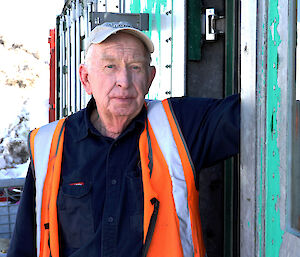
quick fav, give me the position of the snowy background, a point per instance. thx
(24, 77)
(24, 94)
(24, 84)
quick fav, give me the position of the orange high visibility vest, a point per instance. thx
(172, 224)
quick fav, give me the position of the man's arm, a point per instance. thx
(223, 132)
(23, 242)
(211, 127)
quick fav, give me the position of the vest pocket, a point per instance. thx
(75, 213)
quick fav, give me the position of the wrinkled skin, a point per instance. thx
(118, 74)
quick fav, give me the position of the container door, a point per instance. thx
(212, 68)
(270, 223)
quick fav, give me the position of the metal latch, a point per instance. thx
(214, 24)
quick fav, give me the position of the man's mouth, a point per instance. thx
(124, 99)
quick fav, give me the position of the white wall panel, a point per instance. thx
(167, 31)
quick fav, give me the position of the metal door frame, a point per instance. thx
(267, 68)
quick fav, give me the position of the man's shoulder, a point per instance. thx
(186, 100)
(73, 120)
(200, 102)
(76, 125)
(185, 106)
(76, 117)
(192, 109)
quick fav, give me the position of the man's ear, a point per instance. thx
(152, 73)
(84, 78)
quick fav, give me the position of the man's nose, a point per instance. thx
(123, 78)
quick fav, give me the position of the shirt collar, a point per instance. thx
(88, 128)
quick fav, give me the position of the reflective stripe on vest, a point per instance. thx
(44, 147)
(162, 130)
(189, 173)
(170, 196)
(170, 179)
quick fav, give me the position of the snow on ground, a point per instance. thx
(24, 76)
(24, 97)
(18, 172)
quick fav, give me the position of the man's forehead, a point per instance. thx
(120, 47)
(106, 56)
(117, 50)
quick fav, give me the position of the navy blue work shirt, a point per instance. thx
(100, 200)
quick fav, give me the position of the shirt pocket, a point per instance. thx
(135, 202)
(135, 196)
(75, 213)
(136, 223)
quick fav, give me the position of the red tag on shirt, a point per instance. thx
(77, 184)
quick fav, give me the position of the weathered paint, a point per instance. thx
(155, 9)
(135, 6)
(273, 232)
(260, 102)
(152, 7)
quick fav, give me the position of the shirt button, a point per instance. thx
(113, 181)
(110, 219)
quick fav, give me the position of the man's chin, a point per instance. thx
(126, 111)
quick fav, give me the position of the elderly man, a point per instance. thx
(119, 177)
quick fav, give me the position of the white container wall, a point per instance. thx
(167, 31)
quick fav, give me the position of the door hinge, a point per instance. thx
(214, 25)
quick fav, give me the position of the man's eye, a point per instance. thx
(110, 66)
(136, 67)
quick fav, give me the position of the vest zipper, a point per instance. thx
(151, 227)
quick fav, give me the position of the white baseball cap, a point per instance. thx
(103, 31)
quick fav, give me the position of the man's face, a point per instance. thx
(118, 75)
